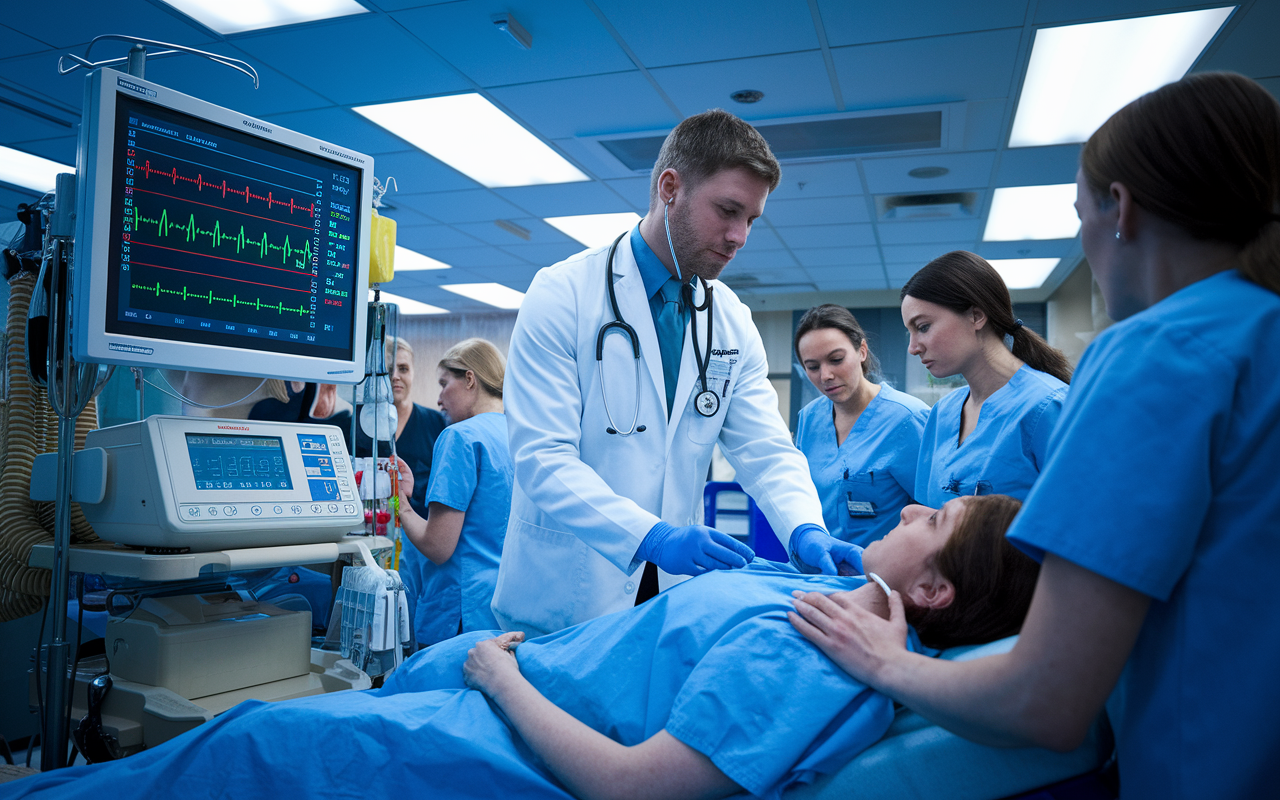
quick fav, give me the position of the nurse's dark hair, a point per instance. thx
(993, 580)
(961, 281)
(1203, 154)
(830, 315)
(707, 143)
(481, 358)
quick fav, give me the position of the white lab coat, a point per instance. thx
(584, 499)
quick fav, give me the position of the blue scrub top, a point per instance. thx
(876, 463)
(1005, 452)
(473, 473)
(1162, 477)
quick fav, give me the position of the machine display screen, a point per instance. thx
(238, 462)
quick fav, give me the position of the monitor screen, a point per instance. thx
(215, 242)
(238, 462)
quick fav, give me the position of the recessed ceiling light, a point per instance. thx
(1024, 273)
(1081, 74)
(409, 307)
(234, 16)
(28, 171)
(594, 230)
(409, 261)
(475, 137)
(747, 96)
(1032, 212)
(495, 294)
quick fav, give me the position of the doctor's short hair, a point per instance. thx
(707, 143)
(994, 581)
(830, 315)
(481, 358)
(1202, 153)
(961, 281)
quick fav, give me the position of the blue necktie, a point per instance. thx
(669, 321)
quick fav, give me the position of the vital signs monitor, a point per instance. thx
(213, 241)
(199, 484)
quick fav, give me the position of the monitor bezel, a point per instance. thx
(91, 343)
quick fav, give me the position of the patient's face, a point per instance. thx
(905, 552)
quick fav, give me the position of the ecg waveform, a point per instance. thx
(191, 233)
(224, 188)
(209, 297)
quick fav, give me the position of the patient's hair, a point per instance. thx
(993, 580)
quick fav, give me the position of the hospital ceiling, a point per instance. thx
(605, 70)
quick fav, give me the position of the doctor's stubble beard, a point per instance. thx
(693, 261)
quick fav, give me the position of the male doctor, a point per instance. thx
(607, 502)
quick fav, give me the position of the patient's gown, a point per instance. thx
(712, 660)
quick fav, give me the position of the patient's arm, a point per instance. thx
(589, 763)
(1047, 691)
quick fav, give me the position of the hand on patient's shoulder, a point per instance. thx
(854, 629)
(491, 665)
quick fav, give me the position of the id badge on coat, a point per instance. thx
(720, 371)
(857, 495)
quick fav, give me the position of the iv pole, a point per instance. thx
(71, 387)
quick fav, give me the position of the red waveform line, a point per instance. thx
(221, 277)
(202, 184)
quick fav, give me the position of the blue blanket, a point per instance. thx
(712, 660)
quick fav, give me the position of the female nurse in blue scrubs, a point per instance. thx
(452, 567)
(991, 436)
(1156, 515)
(861, 438)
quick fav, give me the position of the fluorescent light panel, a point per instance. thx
(234, 16)
(1024, 273)
(409, 261)
(594, 230)
(1079, 75)
(28, 171)
(409, 307)
(495, 294)
(475, 137)
(1032, 212)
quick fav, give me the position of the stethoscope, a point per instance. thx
(707, 402)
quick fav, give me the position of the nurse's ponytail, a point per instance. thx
(482, 359)
(961, 281)
(1204, 154)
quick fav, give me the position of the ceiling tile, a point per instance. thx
(860, 23)
(539, 233)
(793, 84)
(919, 232)
(984, 124)
(942, 69)
(1050, 248)
(851, 272)
(965, 171)
(517, 278)
(763, 237)
(920, 254)
(634, 190)
(416, 173)
(1250, 47)
(565, 199)
(467, 206)
(543, 255)
(427, 239)
(870, 282)
(590, 106)
(18, 126)
(729, 29)
(760, 260)
(62, 149)
(399, 67)
(13, 43)
(568, 40)
(821, 258)
(1057, 12)
(50, 22)
(1038, 166)
(817, 211)
(805, 236)
(344, 127)
(472, 258)
(818, 179)
(220, 85)
(38, 73)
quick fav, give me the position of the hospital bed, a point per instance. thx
(917, 759)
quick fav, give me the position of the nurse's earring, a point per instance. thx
(1117, 234)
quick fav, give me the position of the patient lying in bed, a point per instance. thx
(705, 691)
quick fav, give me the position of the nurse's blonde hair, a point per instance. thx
(482, 359)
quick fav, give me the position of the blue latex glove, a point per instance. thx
(814, 547)
(692, 550)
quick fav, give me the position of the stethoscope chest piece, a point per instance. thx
(707, 402)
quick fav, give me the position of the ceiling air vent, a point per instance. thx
(939, 205)
(807, 139)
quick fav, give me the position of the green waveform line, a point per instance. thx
(210, 298)
(190, 231)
